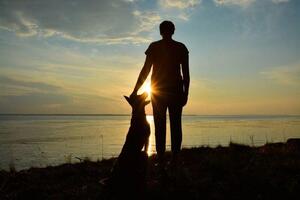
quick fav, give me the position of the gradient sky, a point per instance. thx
(82, 56)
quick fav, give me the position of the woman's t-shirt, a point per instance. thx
(166, 57)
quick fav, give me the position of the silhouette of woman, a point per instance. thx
(170, 81)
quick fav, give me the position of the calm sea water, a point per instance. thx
(41, 140)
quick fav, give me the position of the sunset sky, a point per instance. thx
(82, 56)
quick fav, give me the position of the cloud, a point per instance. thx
(180, 9)
(243, 3)
(10, 86)
(147, 20)
(32, 103)
(35, 99)
(96, 21)
(23, 96)
(34, 85)
(285, 75)
(101, 21)
(280, 1)
(179, 4)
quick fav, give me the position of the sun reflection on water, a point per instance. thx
(151, 140)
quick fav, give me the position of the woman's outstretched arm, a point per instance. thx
(143, 74)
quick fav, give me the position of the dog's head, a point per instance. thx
(138, 101)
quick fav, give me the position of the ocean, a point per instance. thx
(42, 140)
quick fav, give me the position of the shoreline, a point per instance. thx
(271, 171)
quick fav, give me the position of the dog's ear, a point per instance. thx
(146, 102)
(127, 99)
(145, 95)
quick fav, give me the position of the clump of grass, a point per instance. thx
(252, 140)
(86, 159)
(12, 167)
(68, 158)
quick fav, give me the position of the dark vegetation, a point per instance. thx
(235, 172)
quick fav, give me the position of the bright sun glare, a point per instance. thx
(148, 88)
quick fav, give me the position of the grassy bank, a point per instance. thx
(235, 172)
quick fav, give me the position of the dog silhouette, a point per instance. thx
(128, 175)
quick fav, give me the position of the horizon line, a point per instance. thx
(120, 114)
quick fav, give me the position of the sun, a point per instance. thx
(148, 88)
